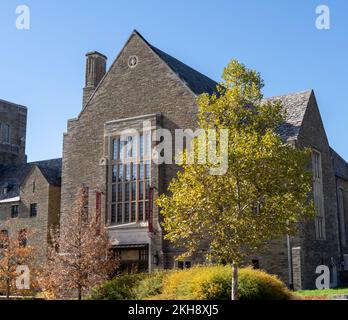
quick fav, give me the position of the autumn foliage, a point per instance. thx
(14, 252)
(79, 255)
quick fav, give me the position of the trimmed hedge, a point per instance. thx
(198, 283)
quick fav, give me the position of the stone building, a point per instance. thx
(146, 84)
(29, 192)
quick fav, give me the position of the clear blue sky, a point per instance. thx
(43, 68)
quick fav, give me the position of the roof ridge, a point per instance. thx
(14, 104)
(183, 63)
(308, 91)
(338, 155)
(41, 161)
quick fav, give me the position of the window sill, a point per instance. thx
(133, 225)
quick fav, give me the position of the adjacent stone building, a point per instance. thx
(146, 84)
(29, 192)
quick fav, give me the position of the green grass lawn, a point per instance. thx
(322, 293)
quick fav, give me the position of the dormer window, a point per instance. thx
(6, 189)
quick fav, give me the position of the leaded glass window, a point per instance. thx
(130, 176)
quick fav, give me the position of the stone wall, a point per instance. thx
(342, 184)
(16, 117)
(47, 199)
(149, 88)
(315, 252)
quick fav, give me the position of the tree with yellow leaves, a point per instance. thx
(263, 194)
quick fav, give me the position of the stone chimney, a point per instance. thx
(95, 71)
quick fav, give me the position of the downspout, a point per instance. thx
(290, 266)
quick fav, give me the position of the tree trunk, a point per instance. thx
(79, 290)
(234, 288)
(8, 288)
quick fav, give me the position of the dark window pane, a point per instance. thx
(33, 210)
(119, 213)
(147, 191)
(14, 211)
(134, 189)
(113, 213)
(141, 211)
(113, 193)
(147, 170)
(147, 210)
(126, 212)
(141, 191)
(133, 217)
(114, 174)
(126, 192)
(119, 192)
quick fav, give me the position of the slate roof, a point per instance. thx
(12, 176)
(340, 165)
(296, 105)
(196, 81)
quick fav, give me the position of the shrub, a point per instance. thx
(119, 288)
(198, 283)
(214, 283)
(150, 285)
(259, 285)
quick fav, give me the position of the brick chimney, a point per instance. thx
(95, 71)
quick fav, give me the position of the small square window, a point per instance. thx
(33, 210)
(14, 211)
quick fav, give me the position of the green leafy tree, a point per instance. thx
(264, 193)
